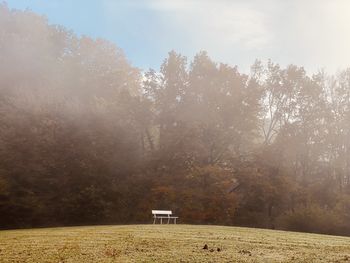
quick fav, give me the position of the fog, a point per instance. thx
(88, 138)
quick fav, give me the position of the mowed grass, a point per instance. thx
(169, 243)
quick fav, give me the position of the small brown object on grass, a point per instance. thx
(246, 252)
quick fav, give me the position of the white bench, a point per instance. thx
(163, 214)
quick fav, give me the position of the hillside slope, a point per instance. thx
(169, 243)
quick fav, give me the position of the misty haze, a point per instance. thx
(174, 131)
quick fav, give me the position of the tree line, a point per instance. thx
(86, 138)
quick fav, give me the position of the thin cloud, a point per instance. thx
(309, 33)
(216, 24)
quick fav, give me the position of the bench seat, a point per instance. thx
(163, 214)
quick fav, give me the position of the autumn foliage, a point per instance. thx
(86, 138)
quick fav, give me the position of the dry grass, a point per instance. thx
(169, 243)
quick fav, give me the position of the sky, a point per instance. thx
(310, 33)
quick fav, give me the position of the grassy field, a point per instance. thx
(169, 243)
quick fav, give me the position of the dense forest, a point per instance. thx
(86, 138)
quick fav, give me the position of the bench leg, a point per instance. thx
(175, 221)
(161, 221)
(154, 221)
(168, 221)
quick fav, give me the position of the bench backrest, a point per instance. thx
(162, 212)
